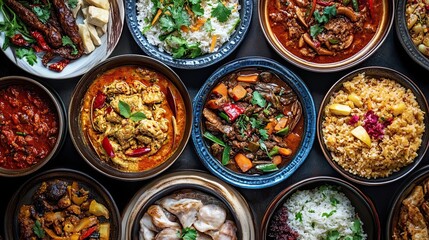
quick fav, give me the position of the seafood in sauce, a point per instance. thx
(187, 213)
(133, 117)
(324, 31)
(253, 122)
(63, 210)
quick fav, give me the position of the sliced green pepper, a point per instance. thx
(225, 155)
(214, 139)
(274, 151)
(269, 167)
(224, 116)
(355, 5)
(283, 132)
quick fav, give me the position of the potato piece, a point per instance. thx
(104, 231)
(97, 16)
(93, 33)
(104, 4)
(98, 209)
(86, 38)
(340, 109)
(75, 10)
(355, 99)
(101, 30)
(361, 134)
(85, 12)
(398, 108)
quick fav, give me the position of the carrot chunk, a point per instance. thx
(243, 162)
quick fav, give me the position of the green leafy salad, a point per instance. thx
(188, 28)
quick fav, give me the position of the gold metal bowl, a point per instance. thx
(378, 38)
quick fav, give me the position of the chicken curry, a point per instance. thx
(324, 31)
(133, 117)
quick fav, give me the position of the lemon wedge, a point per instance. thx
(361, 134)
(340, 109)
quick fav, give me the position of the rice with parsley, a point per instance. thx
(187, 29)
(323, 213)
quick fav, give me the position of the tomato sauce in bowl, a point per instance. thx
(29, 126)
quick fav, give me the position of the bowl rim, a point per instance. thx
(74, 121)
(57, 103)
(402, 192)
(55, 173)
(347, 63)
(244, 180)
(283, 195)
(403, 35)
(205, 60)
(408, 84)
(189, 179)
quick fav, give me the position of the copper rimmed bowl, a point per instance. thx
(270, 29)
(362, 204)
(86, 148)
(359, 172)
(53, 100)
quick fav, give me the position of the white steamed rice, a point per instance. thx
(316, 212)
(222, 30)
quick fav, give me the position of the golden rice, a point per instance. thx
(402, 138)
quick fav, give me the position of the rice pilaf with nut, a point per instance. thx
(373, 127)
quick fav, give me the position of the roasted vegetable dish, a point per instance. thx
(187, 214)
(28, 126)
(413, 216)
(133, 117)
(324, 31)
(253, 122)
(416, 14)
(49, 29)
(63, 210)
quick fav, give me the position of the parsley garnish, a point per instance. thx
(298, 216)
(333, 235)
(68, 42)
(125, 111)
(321, 19)
(329, 214)
(221, 12)
(258, 99)
(188, 234)
(42, 12)
(28, 54)
(334, 201)
(264, 134)
(72, 3)
(38, 230)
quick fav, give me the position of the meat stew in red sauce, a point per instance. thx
(253, 122)
(28, 126)
(324, 31)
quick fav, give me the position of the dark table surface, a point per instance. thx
(390, 54)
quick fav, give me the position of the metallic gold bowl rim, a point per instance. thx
(378, 39)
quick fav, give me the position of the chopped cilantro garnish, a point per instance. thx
(188, 234)
(328, 214)
(334, 201)
(221, 12)
(298, 216)
(28, 54)
(333, 235)
(42, 12)
(258, 99)
(68, 42)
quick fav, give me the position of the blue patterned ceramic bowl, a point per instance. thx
(190, 63)
(309, 126)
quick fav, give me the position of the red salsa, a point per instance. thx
(28, 127)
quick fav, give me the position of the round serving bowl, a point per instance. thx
(24, 196)
(196, 180)
(57, 106)
(404, 37)
(378, 73)
(418, 178)
(323, 64)
(85, 147)
(362, 204)
(190, 63)
(307, 138)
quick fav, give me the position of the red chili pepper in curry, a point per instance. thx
(28, 127)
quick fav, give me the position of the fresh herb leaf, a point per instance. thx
(333, 41)
(330, 11)
(197, 9)
(279, 116)
(266, 110)
(334, 201)
(321, 19)
(68, 42)
(221, 12)
(333, 235)
(328, 214)
(28, 54)
(137, 116)
(208, 26)
(180, 16)
(42, 12)
(213, 138)
(258, 99)
(255, 123)
(72, 3)
(188, 234)
(264, 134)
(21, 134)
(38, 230)
(298, 216)
(242, 123)
(124, 109)
(357, 226)
(167, 23)
(311, 211)
(316, 30)
(264, 147)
